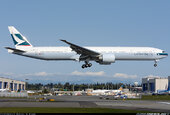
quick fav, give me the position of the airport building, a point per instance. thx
(12, 85)
(169, 82)
(153, 84)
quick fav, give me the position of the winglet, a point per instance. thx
(62, 40)
(66, 42)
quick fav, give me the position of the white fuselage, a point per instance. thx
(121, 53)
(102, 55)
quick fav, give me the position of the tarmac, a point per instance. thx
(89, 102)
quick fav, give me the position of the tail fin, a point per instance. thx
(18, 38)
(121, 88)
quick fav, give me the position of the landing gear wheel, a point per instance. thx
(89, 65)
(86, 65)
(83, 66)
(155, 65)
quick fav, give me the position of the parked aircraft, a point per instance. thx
(162, 92)
(4, 90)
(101, 55)
(104, 92)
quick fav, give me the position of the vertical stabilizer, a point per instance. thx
(18, 39)
(121, 88)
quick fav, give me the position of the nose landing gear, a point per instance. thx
(156, 61)
(155, 65)
(86, 65)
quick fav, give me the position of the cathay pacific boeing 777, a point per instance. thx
(101, 55)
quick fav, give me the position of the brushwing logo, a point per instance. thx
(19, 41)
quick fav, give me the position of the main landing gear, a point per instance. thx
(86, 65)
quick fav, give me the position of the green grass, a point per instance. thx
(65, 110)
(13, 97)
(156, 97)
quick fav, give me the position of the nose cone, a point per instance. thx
(165, 54)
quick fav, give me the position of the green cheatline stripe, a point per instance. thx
(13, 39)
(162, 53)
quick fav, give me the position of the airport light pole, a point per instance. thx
(73, 87)
(26, 83)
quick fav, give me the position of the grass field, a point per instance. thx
(65, 110)
(154, 97)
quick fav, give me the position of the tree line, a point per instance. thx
(76, 87)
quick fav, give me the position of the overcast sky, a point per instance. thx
(86, 23)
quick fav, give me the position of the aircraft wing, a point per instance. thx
(15, 50)
(81, 50)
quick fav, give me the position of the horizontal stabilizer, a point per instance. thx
(15, 50)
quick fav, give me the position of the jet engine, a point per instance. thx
(106, 59)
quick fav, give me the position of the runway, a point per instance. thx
(90, 102)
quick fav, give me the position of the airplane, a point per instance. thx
(162, 92)
(29, 91)
(104, 91)
(101, 55)
(118, 90)
(4, 90)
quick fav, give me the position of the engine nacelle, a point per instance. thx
(107, 59)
